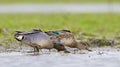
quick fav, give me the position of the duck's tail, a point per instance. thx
(83, 45)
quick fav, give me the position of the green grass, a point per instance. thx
(101, 24)
(55, 1)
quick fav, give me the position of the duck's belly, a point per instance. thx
(44, 44)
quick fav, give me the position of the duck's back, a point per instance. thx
(68, 40)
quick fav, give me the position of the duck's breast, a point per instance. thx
(40, 39)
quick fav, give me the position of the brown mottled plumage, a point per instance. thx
(67, 38)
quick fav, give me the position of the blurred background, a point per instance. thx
(89, 17)
(95, 22)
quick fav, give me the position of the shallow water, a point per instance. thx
(98, 58)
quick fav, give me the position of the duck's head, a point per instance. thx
(19, 35)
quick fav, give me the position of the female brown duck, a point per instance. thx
(67, 38)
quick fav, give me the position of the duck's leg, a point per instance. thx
(20, 45)
(36, 50)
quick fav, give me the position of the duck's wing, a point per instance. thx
(52, 33)
(57, 32)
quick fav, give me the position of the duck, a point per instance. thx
(67, 38)
(38, 40)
